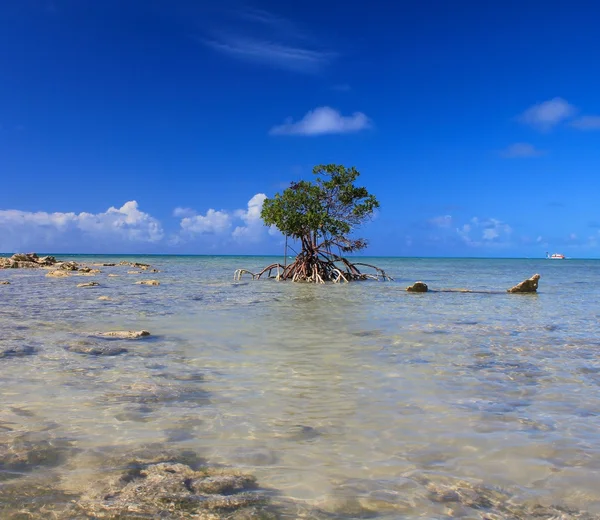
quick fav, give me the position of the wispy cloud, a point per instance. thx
(545, 116)
(341, 87)
(183, 212)
(269, 39)
(444, 221)
(485, 232)
(521, 150)
(586, 123)
(323, 120)
(271, 53)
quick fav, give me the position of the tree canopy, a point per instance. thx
(322, 213)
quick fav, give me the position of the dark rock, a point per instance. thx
(17, 351)
(26, 454)
(526, 286)
(418, 287)
(300, 432)
(69, 266)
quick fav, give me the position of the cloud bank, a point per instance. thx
(20, 230)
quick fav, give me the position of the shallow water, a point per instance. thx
(346, 398)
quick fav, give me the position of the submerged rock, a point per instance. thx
(122, 334)
(134, 272)
(17, 351)
(88, 284)
(526, 286)
(175, 491)
(57, 274)
(113, 275)
(105, 298)
(419, 287)
(94, 349)
(88, 272)
(26, 454)
(148, 282)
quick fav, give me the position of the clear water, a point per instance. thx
(325, 393)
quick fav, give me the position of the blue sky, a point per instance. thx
(155, 126)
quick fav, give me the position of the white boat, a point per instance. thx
(555, 256)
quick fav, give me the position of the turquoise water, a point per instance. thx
(339, 398)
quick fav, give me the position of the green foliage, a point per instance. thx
(322, 213)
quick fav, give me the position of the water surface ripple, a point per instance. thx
(353, 400)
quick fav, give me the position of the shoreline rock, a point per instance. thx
(88, 284)
(122, 334)
(526, 286)
(418, 287)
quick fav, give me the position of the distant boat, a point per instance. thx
(555, 256)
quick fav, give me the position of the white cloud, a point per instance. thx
(183, 212)
(521, 150)
(24, 229)
(323, 120)
(586, 123)
(214, 222)
(545, 116)
(248, 224)
(251, 217)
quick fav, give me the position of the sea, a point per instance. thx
(355, 400)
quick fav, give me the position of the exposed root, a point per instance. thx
(316, 265)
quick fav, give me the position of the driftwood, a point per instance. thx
(526, 287)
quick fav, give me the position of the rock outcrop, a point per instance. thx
(148, 282)
(4, 282)
(526, 286)
(105, 298)
(418, 287)
(176, 491)
(122, 334)
(69, 266)
(26, 260)
(57, 274)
